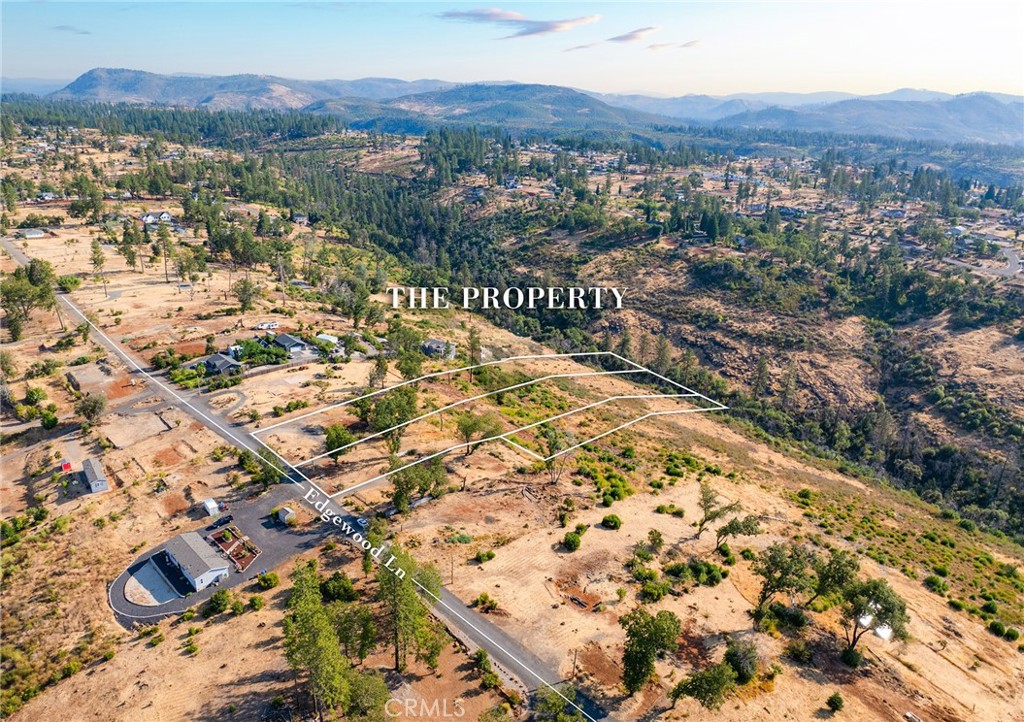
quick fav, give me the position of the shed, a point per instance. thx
(285, 514)
(212, 507)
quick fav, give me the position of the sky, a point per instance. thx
(665, 48)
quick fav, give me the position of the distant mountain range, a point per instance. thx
(410, 106)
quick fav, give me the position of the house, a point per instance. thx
(286, 515)
(156, 217)
(30, 233)
(897, 213)
(218, 364)
(437, 348)
(212, 507)
(235, 352)
(95, 476)
(300, 219)
(328, 339)
(197, 560)
(290, 343)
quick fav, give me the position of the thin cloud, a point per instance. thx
(633, 35)
(70, 29)
(666, 46)
(525, 27)
(580, 47)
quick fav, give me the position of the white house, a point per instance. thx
(438, 349)
(197, 560)
(94, 475)
(156, 217)
(30, 233)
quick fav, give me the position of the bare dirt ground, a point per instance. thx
(238, 672)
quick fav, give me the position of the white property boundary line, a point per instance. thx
(637, 368)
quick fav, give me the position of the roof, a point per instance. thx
(211, 506)
(194, 555)
(221, 362)
(435, 343)
(328, 338)
(286, 340)
(93, 470)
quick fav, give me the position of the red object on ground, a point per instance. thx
(65, 465)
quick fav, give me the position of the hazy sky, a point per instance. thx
(669, 48)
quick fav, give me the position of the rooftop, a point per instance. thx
(194, 555)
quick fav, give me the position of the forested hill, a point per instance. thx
(410, 106)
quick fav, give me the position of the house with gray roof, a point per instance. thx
(197, 560)
(95, 476)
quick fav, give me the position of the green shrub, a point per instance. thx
(956, 604)
(255, 602)
(571, 541)
(936, 584)
(742, 657)
(967, 525)
(997, 628)
(835, 702)
(1012, 634)
(990, 607)
(611, 521)
(484, 556)
(219, 602)
(653, 591)
(269, 580)
(851, 657)
(799, 651)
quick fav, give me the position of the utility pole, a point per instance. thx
(452, 559)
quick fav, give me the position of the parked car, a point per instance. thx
(362, 522)
(221, 522)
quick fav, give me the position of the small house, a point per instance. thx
(211, 507)
(437, 348)
(197, 560)
(156, 217)
(30, 233)
(290, 343)
(218, 364)
(95, 476)
(328, 339)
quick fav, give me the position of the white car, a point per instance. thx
(362, 522)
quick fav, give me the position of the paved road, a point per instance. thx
(506, 651)
(1013, 264)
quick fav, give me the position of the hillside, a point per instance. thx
(974, 118)
(411, 106)
(230, 92)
